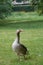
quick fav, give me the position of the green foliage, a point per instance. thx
(40, 7)
(5, 8)
(34, 2)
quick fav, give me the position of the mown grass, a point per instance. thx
(32, 38)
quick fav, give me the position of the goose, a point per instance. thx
(17, 47)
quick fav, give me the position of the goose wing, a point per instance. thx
(21, 49)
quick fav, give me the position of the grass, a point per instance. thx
(24, 16)
(32, 38)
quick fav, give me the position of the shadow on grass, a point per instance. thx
(23, 25)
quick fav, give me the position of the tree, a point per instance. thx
(34, 2)
(40, 7)
(5, 8)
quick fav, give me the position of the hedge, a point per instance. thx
(23, 8)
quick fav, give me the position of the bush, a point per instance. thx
(5, 9)
(23, 8)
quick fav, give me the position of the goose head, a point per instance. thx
(18, 31)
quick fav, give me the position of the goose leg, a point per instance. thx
(25, 58)
(19, 57)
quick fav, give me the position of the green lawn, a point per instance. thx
(24, 16)
(32, 38)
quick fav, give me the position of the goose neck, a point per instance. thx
(18, 37)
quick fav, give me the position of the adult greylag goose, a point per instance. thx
(19, 48)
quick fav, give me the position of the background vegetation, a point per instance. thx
(6, 7)
(32, 37)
